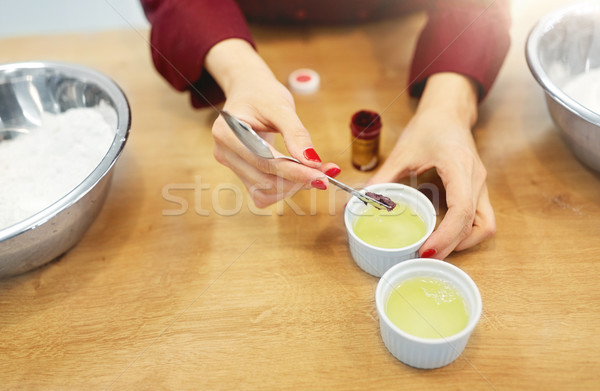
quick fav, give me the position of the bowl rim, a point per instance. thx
(123, 111)
(425, 264)
(536, 68)
(430, 220)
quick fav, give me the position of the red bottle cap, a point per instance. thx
(365, 125)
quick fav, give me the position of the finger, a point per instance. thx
(295, 136)
(269, 137)
(227, 144)
(229, 151)
(458, 222)
(484, 224)
(263, 196)
(294, 172)
(249, 172)
(264, 189)
(330, 169)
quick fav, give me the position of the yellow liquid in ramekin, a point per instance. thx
(427, 307)
(398, 228)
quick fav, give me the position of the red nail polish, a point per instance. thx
(333, 172)
(428, 253)
(311, 154)
(318, 184)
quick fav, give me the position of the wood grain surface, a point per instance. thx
(182, 284)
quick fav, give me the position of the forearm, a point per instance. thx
(463, 36)
(232, 62)
(453, 94)
(183, 31)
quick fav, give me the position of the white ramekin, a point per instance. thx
(376, 260)
(423, 352)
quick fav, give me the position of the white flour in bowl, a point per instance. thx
(585, 89)
(39, 168)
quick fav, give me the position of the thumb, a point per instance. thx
(297, 139)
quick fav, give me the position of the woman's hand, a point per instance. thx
(255, 96)
(439, 136)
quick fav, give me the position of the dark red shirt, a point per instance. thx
(470, 37)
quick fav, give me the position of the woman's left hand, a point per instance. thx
(439, 136)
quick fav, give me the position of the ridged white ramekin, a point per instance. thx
(423, 352)
(376, 260)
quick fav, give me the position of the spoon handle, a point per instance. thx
(364, 198)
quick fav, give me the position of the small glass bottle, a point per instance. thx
(366, 128)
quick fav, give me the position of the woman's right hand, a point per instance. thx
(255, 96)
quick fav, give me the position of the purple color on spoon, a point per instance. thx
(389, 204)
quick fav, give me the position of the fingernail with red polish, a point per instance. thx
(428, 253)
(311, 154)
(318, 184)
(333, 172)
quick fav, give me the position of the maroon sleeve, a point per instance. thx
(470, 37)
(183, 31)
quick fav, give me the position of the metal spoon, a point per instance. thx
(256, 144)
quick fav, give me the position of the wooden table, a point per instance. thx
(182, 284)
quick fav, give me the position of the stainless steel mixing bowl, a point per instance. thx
(562, 45)
(26, 90)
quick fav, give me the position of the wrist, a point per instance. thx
(233, 62)
(453, 94)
